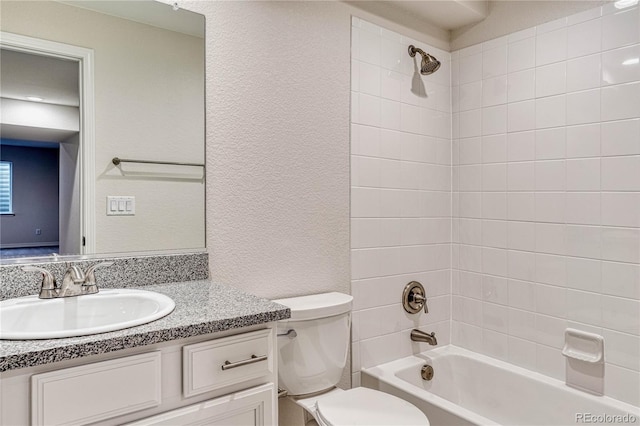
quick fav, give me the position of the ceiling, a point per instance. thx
(449, 15)
(444, 14)
(55, 80)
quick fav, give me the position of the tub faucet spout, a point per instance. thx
(421, 336)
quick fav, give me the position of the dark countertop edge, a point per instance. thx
(80, 350)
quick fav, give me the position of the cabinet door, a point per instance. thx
(251, 407)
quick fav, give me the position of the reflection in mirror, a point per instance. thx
(83, 82)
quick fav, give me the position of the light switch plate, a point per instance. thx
(121, 205)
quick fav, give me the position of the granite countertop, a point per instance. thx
(202, 307)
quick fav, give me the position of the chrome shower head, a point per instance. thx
(429, 63)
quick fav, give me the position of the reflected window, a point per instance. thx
(6, 206)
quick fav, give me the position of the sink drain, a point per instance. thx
(426, 372)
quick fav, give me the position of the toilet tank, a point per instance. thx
(313, 360)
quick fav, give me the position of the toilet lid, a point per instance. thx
(363, 406)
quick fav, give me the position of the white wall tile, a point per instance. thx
(551, 300)
(620, 137)
(521, 85)
(584, 38)
(621, 244)
(583, 141)
(623, 384)
(521, 146)
(550, 143)
(621, 314)
(621, 173)
(495, 289)
(522, 353)
(470, 96)
(584, 274)
(520, 176)
(494, 344)
(622, 279)
(521, 236)
(494, 61)
(584, 241)
(470, 123)
(583, 107)
(551, 269)
(583, 208)
(550, 207)
(550, 331)
(621, 209)
(551, 79)
(551, 111)
(583, 73)
(522, 295)
(522, 324)
(620, 29)
(583, 174)
(551, 47)
(550, 175)
(494, 120)
(520, 206)
(470, 68)
(584, 307)
(494, 177)
(494, 148)
(521, 55)
(622, 349)
(494, 91)
(620, 102)
(621, 65)
(493, 205)
(521, 116)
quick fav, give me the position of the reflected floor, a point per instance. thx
(27, 252)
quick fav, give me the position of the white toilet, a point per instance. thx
(312, 354)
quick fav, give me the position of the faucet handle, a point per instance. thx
(48, 286)
(90, 276)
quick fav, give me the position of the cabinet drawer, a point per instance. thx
(226, 361)
(251, 407)
(94, 392)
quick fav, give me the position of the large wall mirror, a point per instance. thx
(86, 82)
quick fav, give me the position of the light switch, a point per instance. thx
(121, 205)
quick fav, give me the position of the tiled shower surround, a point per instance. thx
(545, 211)
(400, 195)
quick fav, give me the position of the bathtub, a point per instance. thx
(472, 389)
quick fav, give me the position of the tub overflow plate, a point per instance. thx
(426, 372)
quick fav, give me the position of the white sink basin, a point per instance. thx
(29, 317)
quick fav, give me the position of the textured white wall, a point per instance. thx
(278, 79)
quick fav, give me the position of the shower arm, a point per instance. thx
(413, 50)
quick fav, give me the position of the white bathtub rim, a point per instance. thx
(386, 373)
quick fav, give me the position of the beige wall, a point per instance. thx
(136, 117)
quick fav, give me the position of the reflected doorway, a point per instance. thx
(40, 152)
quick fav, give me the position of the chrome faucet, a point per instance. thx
(421, 336)
(74, 283)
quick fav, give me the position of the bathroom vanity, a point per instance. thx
(211, 361)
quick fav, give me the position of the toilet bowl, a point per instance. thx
(312, 353)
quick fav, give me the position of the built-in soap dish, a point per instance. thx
(583, 346)
(584, 366)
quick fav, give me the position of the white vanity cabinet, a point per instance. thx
(216, 379)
